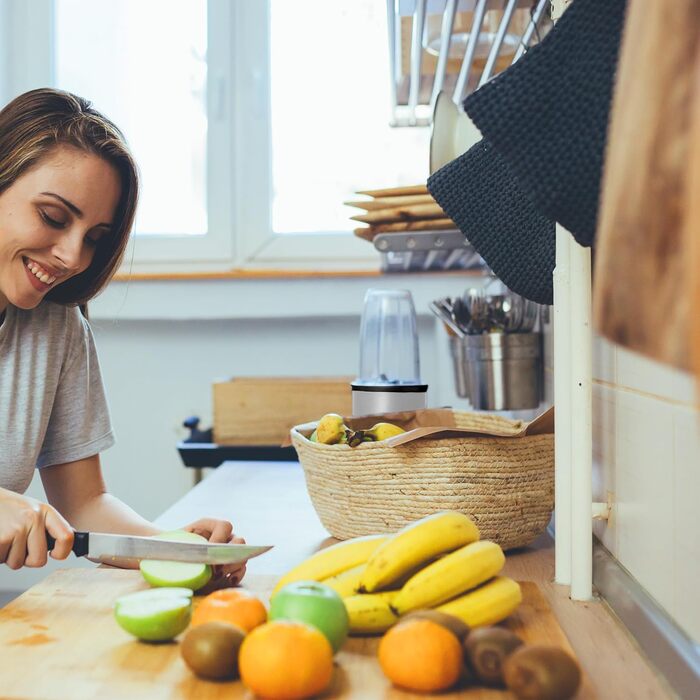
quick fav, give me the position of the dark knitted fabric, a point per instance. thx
(481, 195)
(547, 115)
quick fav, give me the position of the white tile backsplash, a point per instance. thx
(686, 540)
(639, 373)
(604, 360)
(604, 421)
(644, 483)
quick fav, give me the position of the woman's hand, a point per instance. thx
(24, 523)
(219, 531)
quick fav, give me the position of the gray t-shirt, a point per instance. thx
(52, 402)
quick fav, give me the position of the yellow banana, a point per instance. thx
(346, 582)
(330, 429)
(370, 613)
(383, 431)
(486, 605)
(333, 560)
(449, 576)
(415, 544)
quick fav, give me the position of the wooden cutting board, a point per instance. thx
(59, 640)
(642, 292)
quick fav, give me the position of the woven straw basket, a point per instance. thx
(505, 484)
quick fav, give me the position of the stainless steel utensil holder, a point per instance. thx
(499, 371)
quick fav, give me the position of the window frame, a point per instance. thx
(239, 158)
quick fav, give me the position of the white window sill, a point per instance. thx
(259, 296)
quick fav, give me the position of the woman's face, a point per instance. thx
(50, 220)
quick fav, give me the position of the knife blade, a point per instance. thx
(100, 545)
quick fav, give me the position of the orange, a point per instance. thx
(243, 610)
(420, 655)
(226, 594)
(286, 660)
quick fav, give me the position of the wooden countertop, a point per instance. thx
(59, 640)
(268, 504)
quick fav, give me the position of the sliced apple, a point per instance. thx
(178, 574)
(154, 618)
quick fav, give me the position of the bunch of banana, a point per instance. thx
(333, 560)
(371, 613)
(414, 545)
(448, 577)
(435, 562)
(488, 604)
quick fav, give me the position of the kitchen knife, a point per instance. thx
(99, 545)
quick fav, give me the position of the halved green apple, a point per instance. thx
(156, 615)
(173, 573)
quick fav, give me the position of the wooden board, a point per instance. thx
(261, 410)
(387, 202)
(409, 212)
(396, 191)
(642, 295)
(59, 640)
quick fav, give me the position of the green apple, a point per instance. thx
(155, 615)
(316, 604)
(173, 573)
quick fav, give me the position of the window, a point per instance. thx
(252, 120)
(152, 84)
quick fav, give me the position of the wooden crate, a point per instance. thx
(261, 410)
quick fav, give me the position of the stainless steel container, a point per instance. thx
(458, 350)
(504, 370)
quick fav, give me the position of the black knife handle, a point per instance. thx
(81, 541)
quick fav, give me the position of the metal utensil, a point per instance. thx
(98, 545)
(445, 315)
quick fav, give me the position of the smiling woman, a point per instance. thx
(68, 193)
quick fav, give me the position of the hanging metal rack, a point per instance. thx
(418, 74)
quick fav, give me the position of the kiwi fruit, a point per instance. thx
(211, 650)
(453, 624)
(538, 672)
(485, 650)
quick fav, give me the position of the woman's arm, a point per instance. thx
(78, 491)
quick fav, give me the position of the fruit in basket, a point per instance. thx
(370, 613)
(211, 650)
(313, 437)
(313, 603)
(330, 429)
(154, 615)
(333, 560)
(377, 433)
(455, 573)
(414, 545)
(450, 622)
(486, 605)
(384, 431)
(178, 574)
(485, 651)
(284, 660)
(238, 608)
(539, 672)
(421, 655)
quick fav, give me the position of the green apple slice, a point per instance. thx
(173, 573)
(155, 594)
(154, 620)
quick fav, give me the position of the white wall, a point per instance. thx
(158, 372)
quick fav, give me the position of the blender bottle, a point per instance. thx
(389, 378)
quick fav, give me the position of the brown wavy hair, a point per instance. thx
(34, 124)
